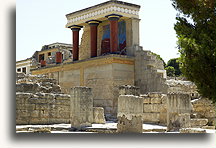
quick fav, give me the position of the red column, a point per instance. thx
(43, 63)
(75, 30)
(113, 18)
(93, 36)
(58, 57)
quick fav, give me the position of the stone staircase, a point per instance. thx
(150, 74)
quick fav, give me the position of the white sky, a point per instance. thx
(41, 22)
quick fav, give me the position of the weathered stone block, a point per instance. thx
(98, 115)
(178, 121)
(156, 100)
(178, 111)
(191, 130)
(198, 122)
(129, 115)
(152, 108)
(146, 100)
(128, 90)
(133, 125)
(151, 117)
(81, 107)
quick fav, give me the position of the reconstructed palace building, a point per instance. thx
(109, 55)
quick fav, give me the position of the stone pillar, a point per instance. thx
(129, 116)
(113, 18)
(43, 63)
(58, 57)
(81, 107)
(178, 111)
(75, 29)
(93, 36)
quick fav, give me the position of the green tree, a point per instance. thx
(175, 63)
(170, 71)
(195, 30)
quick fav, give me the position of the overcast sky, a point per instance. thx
(41, 22)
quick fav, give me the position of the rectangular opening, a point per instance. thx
(24, 70)
(41, 57)
(19, 70)
(49, 53)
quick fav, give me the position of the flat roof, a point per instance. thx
(101, 4)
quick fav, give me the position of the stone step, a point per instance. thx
(198, 122)
(192, 130)
(208, 127)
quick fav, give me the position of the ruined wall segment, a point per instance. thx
(40, 101)
(154, 108)
(203, 108)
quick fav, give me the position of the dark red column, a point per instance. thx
(75, 30)
(43, 63)
(113, 18)
(58, 57)
(93, 36)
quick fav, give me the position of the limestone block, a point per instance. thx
(156, 100)
(155, 95)
(209, 127)
(98, 115)
(129, 115)
(163, 119)
(146, 100)
(103, 102)
(81, 107)
(177, 121)
(130, 104)
(179, 103)
(152, 108)
(178, 111)
(191, 130)
(133, 125)
(214, 122)
(198, 122)
(151, 117)
(128, 90)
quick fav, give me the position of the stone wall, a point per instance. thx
(180, 86)
(204, 108)
(39, 101)
(154, 108)
(42, 108)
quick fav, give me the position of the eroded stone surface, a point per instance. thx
(81, 107)
(98, 115)
(179, 109)
(133, 125)
(129, 116)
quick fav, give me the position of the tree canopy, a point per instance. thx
(195, 29)
(176, 65)
(170, 71)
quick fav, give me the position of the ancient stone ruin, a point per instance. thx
(109, 84)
